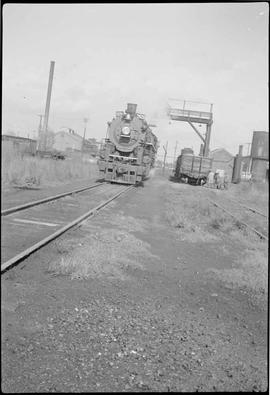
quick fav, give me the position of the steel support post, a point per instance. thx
(198, 133)
(207, 140)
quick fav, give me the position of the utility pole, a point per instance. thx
(250, 160)
(40, 130)
(47, 108)
(40, 122)
(165, 154)
(175, 148)
(248, 149)
(85, 120)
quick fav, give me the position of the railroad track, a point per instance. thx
(48, 199)
(238, 211)
(28, 227)
(251, 209)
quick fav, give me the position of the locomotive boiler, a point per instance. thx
(130, 148)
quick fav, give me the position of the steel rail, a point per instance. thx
(252, 209)
(248, 226)
(16, 259)
(243, 205)
(45, 200)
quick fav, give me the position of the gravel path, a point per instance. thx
(123, 303)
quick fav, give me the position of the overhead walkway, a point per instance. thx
(179, 110)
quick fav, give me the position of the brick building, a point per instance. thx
(222, 159)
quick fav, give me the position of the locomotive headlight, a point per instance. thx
(125, 131)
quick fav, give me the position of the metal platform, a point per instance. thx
(190, 115)
(186, 111)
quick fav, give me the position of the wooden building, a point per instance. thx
(22, 145)
(67, 140)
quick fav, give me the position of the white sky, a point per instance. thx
(109, 54)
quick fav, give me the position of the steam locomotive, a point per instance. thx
(130, 148)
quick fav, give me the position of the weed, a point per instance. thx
(105, 253)
(250, 272)
(215, 223)
(18, 169)
(195, 218)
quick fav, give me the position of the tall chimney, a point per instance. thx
(236, 176)
(48, 101)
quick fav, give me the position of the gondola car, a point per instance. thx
(191, 168)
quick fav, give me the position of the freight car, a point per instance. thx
(192, 169)
(129, 150)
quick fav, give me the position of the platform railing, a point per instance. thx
(189, 113)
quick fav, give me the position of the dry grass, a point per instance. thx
(188, 210)
(18, 170)
(250, 272)
(128, 223)
(108, 252)
(255, 194)
(194, 218)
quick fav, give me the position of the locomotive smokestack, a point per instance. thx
(131, 109)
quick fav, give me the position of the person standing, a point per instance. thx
(222, 180)
(217, 180)
(210, 179)
(226, 181)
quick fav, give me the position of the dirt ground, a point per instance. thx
(139, 298)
